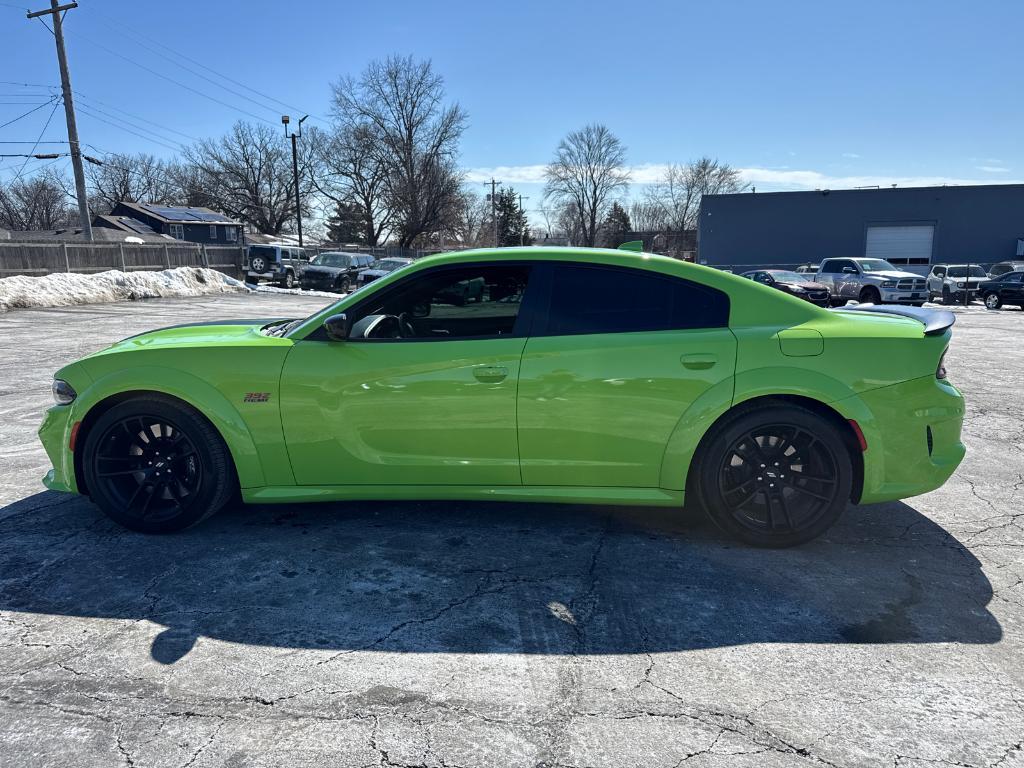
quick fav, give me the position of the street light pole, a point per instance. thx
(295, 171)
(56, 11)
(522, 232)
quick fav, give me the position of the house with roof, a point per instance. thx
(195, 225)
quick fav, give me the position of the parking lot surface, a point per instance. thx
(468, 634)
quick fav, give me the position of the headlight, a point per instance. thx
(959, 285)
(63, 393)
(797, 288)
(888, 283)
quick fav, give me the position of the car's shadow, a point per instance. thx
(494, 578)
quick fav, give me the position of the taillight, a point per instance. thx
(940, 372)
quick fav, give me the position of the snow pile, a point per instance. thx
(65, 288)
(293, 291)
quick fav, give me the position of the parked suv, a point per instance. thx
(281, 264)
(953, 281)
(382, 267)
(335, 271)
(1003, 267)
(871, 281)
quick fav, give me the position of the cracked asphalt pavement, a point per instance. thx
(470, 634)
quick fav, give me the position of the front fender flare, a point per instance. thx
(192, 390)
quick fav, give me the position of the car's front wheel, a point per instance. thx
(156, 465)
(992, 301)
(776, 476)
(344, 285)
(870, 296)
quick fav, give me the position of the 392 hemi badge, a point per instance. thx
(256, 397)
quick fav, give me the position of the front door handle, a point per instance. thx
(699, 361)
(490, 374)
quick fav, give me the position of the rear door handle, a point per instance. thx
(699, 361)
(490, 373)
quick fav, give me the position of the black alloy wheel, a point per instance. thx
(775, 477)
(156, 466)
(870, 295)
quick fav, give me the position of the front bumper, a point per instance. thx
(901, 459)
(55, 435)
(894, 296)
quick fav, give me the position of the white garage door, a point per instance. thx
(901, 244)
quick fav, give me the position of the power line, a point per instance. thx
(134, 116)
(28, 113)
(139, 36)
(47, 125)
(148, 131)
(180, 84)
(86, 111)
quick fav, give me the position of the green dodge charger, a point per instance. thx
(556, 375)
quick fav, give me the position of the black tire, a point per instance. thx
(947, 297)
(155, 465)
(992, 301)
(289, 280)
(870, 295)
(774, 476)
(917, 303)
(344, 285)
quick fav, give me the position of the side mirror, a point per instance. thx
(337, 327)
(849, 271)
(420, 309)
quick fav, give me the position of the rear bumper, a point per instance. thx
(901, 461)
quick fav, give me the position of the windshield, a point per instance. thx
(877, 265)
(962, 272)
(785, 276)
(331, 260)
(388, 265)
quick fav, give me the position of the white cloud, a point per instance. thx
(851, 155)
(766, 179)
(992, 169)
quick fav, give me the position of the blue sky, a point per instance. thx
(798, 94)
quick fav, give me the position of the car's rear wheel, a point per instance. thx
(870, 296)
(992, 301)
(157, 466)
(775, 477)
(289, 279)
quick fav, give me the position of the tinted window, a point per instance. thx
(588, 299)
(469, 302)
(835, 266)
(1013, 277)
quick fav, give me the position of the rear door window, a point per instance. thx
(588, 299)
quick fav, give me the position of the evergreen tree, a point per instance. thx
(513, 227)
(615, 226)
(346, 225)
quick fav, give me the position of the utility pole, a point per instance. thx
(494, 201)
(56, 12)
(521, 231)
(295, 171)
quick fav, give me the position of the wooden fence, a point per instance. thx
(43, 258)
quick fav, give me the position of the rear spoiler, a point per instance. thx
(935, 321)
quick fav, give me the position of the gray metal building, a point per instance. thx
(909, 226)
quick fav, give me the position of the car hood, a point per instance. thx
(213, 333)
(317, 269)
(375, 272)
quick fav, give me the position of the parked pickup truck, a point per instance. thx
(871, 281)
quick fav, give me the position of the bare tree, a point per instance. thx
(398, 103)
(39, 202)
(587, 172)
(471, 223)
(128, 178)
(347, 170)
(248, 175)
(647, 216)
(679, 193)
